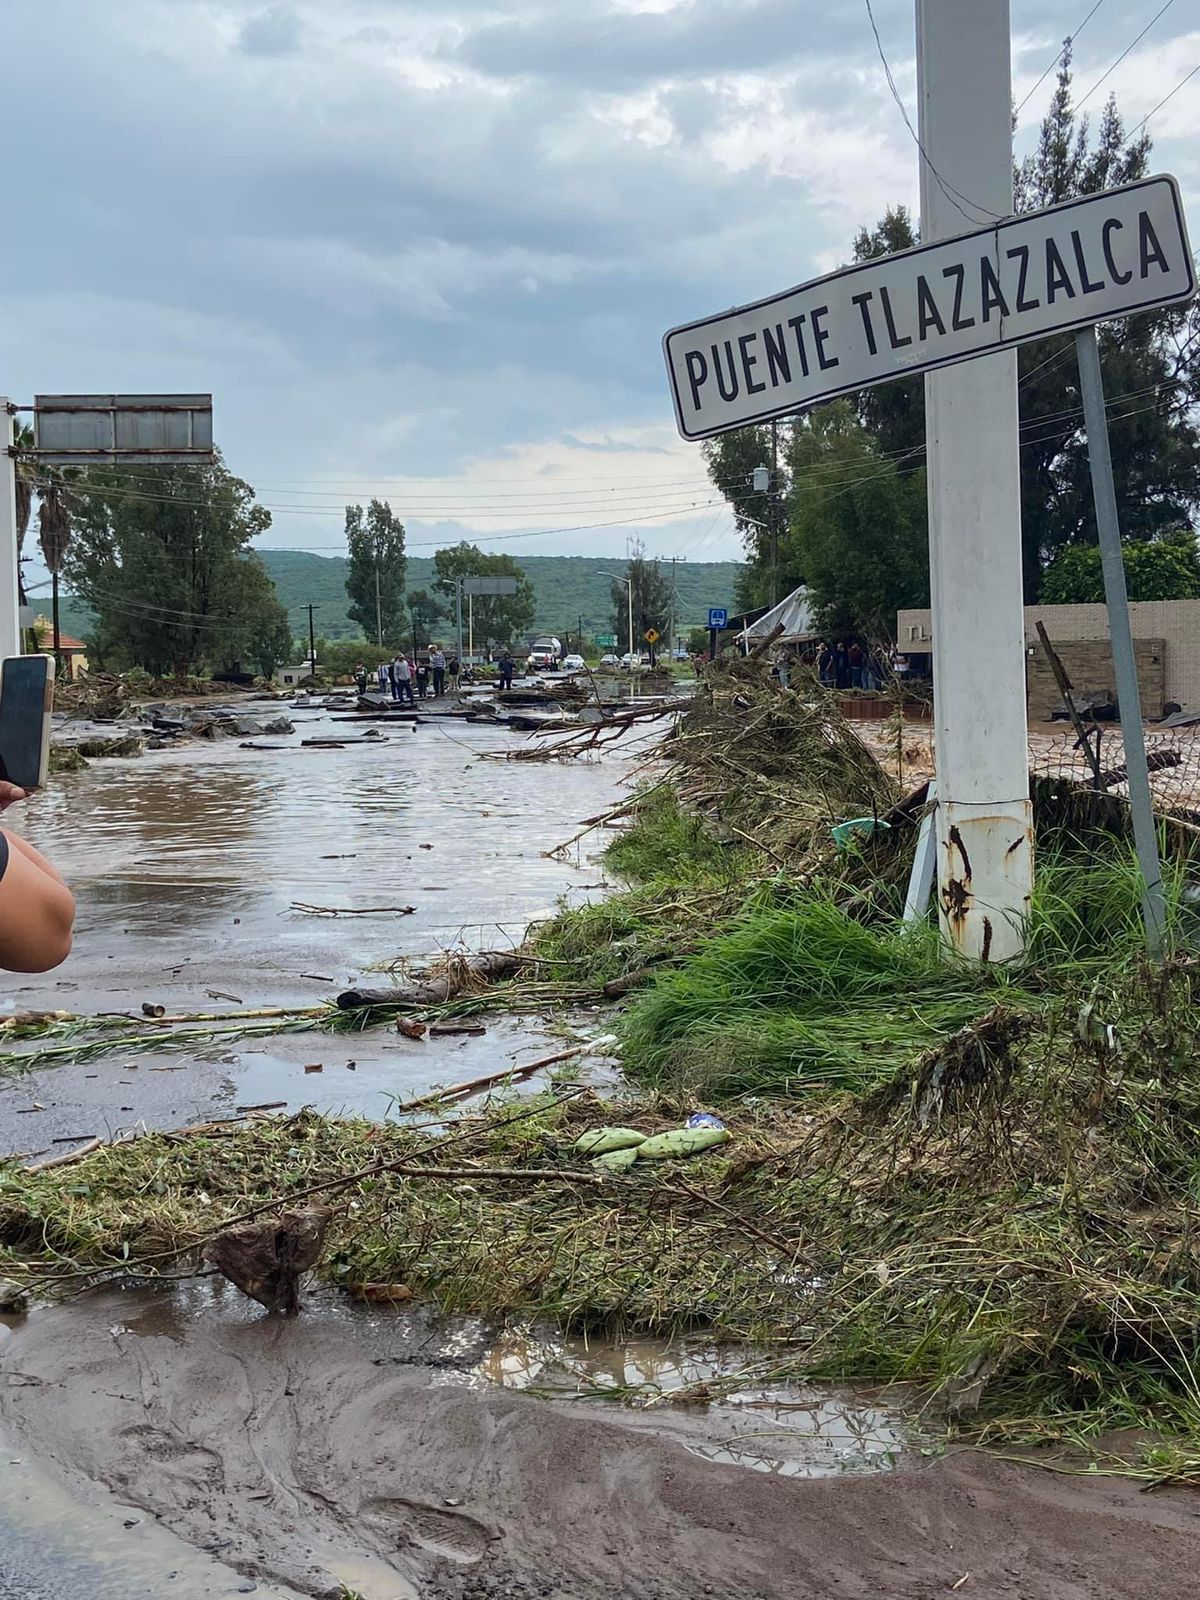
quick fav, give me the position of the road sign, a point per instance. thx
(651, 636)
(85, 429)
(606, 641)
(1085, 261)
(489, 585)
(718, 616)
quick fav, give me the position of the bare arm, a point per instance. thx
(37, 910)
(27, 850)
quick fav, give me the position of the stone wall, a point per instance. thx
(1172, 625)
(1088, 664)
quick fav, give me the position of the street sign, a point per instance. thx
(651, 636)
(718, 616)
(1081, 262)
(606, 641)
(489, 585)
(80, 430)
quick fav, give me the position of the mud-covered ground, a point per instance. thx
(366, 1451)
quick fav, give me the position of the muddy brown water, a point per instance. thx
(380, 1450)
(187, 866)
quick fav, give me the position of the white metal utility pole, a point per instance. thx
(10, 627)
(984, 817)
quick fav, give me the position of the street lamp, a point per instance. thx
(628, 582)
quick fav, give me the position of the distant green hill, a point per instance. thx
(567, 588)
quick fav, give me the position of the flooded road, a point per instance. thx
(188, 867)
(187, 864)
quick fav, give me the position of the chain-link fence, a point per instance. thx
(1172, 755)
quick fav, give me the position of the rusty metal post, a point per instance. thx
(1141, 802)
(984, 819)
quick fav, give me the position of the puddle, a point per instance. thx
(788, 1430)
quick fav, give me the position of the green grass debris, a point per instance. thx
(1012, 1223)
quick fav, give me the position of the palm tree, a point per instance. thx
(54, 536)
(26, 476)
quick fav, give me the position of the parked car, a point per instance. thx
(574, 664)
(610, 661)
(632, 659)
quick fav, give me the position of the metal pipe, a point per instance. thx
(1116, 597)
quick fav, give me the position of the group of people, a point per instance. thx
(408, 679)
(846, 665)
(851, 665)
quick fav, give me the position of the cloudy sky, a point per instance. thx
(428, 250)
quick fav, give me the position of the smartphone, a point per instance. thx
(26, 704)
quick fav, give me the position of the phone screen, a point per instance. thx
(24, 718)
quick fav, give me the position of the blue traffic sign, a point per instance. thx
(718, 616)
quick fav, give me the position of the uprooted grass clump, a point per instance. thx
(1013, 1223)
(797, 991)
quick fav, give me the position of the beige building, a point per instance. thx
(1166, 637)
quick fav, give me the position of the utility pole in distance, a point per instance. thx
(984, 819)
(312, 642)
(378, 607)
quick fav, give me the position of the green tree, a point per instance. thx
(55, 506)
(163, 561)
(858, 526)
(375, 569)
(760, 515)
(651, 600)
(424, 610)
(1151, 366)
(339, 657)
(1158, 569)
(498, 619)
(26, 482)
(893, 413)
(268, 638)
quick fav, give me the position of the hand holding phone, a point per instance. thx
(26, 704)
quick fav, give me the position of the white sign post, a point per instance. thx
(984, 818)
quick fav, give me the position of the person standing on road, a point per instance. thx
(384, 675)
(422, 677)
(453, 667)
(437, 664)
(506, 669)
(402, 689)
(360, 678)
(854, 660)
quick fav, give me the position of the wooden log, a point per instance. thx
(488, 966)
(474, 1086)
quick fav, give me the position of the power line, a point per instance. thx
(1161, 104)
(1124, 53)
(1067, 42)
(952, 194)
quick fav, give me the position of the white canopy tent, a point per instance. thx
(794, 612)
